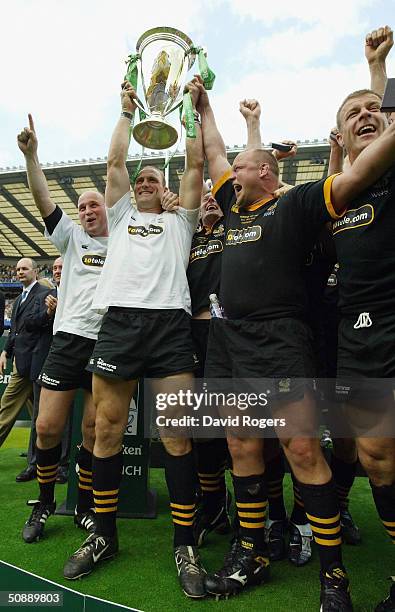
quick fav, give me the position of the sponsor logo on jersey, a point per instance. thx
(246, 234)
(332, 280)
(204, 250)
(97, 261)
(219, 230)
(141, 230)
(354, 218)
(270, 211)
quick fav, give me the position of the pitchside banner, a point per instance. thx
(21, 590)
(136, 500)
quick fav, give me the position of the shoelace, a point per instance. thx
(89, 544)
(39, 511)
(190, 566)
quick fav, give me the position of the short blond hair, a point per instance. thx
(354, 94)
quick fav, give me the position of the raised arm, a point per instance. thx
(192, 179)
(214, 146)
(28, 144)
(336, 154)
(251, 111)
(118, 181)
(378, 44)
(368, 167)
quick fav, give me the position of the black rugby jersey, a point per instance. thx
(318, 267)
(266, 247)
(365, 245)
(204, 269)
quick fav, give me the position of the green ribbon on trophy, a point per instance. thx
(132, 77)
(208, 76)
(189, 117)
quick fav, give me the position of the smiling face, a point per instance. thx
(149, 189)
(210, 211)
(92, 213)
(360, 123)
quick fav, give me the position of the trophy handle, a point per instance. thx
(139, 104)
(173, 108)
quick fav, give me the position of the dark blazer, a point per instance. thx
(21, 342)
(43, 324)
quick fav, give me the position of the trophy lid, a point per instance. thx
(166, 33)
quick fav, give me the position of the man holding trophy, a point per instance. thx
(145, 332)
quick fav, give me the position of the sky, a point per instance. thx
(63, 61)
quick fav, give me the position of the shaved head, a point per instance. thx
(260, 156)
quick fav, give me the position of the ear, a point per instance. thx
(340, 140)
(263, 170)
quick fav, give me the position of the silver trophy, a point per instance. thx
(165, 56)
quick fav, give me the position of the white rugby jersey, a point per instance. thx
(83, 260)
(147, 258)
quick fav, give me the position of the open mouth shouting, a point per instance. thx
(367, 129)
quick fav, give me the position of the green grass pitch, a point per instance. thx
(144, 576)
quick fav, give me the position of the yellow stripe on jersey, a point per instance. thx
(225, 177)
(328, 197)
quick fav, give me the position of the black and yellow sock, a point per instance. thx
(180, 478)
(47, 470)
(274, 476)
(106, 479)
(251, 505)
(298, 516)
(344, 476)
(211, 465)
(85, 493)
(384, 499)
(322, 511)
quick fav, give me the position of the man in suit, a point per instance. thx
(19, 348)
(41, 320)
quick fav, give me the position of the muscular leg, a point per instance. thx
(53, 412)
(180, 468)
(314, 477)
(112, 399)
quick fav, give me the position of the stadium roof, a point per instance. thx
(21, 227)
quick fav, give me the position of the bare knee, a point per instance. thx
(244, 448)
(177, 446)
(377, 458)
(49, 432)
(302, 452)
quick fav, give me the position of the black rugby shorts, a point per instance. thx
(136, 342)
(64, 367)
(366, 356)
(277, 350)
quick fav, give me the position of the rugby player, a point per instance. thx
(145, 332)
(366, 255)
(83, 249)
(266, 244)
